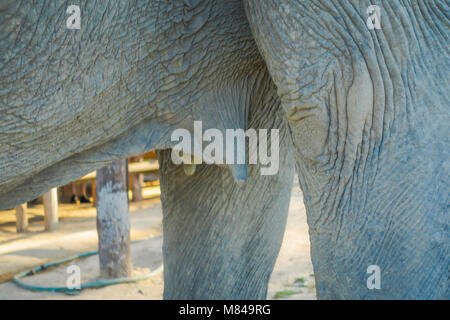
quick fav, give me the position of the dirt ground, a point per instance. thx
(292, 277)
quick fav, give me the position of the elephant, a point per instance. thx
(361, 113)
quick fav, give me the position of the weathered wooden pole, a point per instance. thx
(113, 221)
(51, 209)
(137, 181)
(21, 218)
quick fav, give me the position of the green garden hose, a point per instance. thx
(94, 284)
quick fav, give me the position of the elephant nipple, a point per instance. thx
(189, 169)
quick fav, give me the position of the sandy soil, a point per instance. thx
(76, 233)
(292, 277)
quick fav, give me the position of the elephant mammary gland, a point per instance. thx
(221, 237)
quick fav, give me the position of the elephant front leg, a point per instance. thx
(221, 238)
(365, 110)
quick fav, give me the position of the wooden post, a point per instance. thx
(94, 193)
(113, 221)
(51, 209)
(137, 181)
(136, 184)
(21, 218)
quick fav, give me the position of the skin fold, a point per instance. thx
(362, 115)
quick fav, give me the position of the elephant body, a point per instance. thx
(362, 113)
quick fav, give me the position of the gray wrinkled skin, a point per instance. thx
(367, 112)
